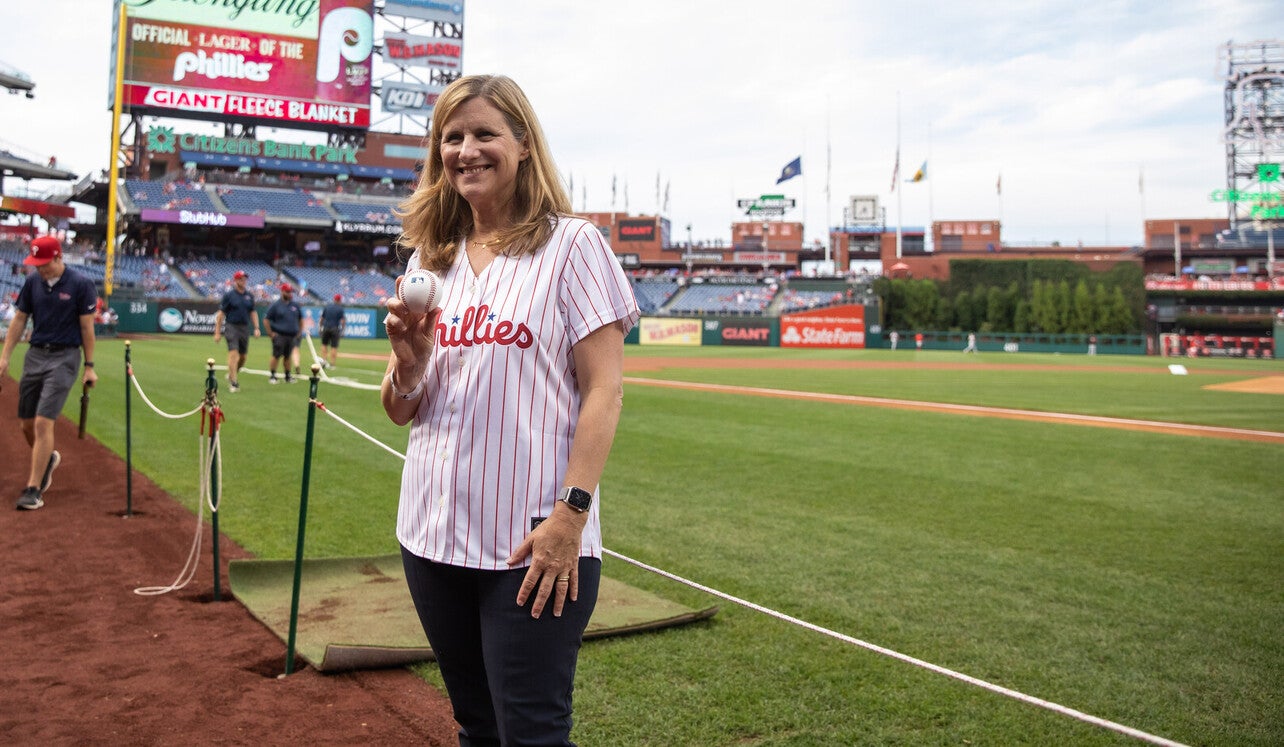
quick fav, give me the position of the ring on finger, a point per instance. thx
(564, 579)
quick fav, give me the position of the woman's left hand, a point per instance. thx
(554, 550)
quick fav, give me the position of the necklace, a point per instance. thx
(484, 244)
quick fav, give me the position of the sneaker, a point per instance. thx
(55, 459)
(290, 379)
(273, 380)
(233, 386)
(30, 499)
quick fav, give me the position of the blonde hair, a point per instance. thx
(435, 218)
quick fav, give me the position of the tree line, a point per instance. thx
(1050, 296)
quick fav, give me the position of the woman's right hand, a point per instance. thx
(411, 337)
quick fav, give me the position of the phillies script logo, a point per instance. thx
(478, 327)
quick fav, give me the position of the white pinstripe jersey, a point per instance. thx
(489, 444)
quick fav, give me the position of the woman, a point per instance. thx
(513, 388)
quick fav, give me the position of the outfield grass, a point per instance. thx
(1134, 576)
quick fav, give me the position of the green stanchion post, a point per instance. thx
(129, 438)
(211, 401)
(303, 518)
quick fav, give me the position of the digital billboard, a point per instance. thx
(300, 63)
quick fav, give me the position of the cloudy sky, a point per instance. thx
(1069, 101)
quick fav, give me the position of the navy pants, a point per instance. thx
(508, 675)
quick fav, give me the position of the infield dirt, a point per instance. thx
(86, 661)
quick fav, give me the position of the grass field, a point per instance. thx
(1134, 576)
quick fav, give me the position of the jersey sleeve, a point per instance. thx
(594, 289)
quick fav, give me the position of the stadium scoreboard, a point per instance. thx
(287, 63)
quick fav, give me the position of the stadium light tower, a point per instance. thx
(16, 81)
(1254, 133)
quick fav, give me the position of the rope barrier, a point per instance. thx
(321, 406)
(156, 409)
(208, 456)
(999, 689)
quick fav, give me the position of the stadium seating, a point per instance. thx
(12, 272)
(653, 295)
(176, 195)
(365, 212)
(154, 276)
(274, 203)
(801, 300)
(213, 277)
(747, 298)
(359, 288)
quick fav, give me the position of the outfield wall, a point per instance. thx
(1029, 342)
(839, 327)
(197, 318)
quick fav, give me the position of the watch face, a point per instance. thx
(577, 498)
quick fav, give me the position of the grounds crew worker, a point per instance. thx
(237, 309)
(284, 320)
(60, 303)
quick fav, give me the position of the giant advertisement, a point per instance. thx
(834, 327)
(303, 63)
(637, 230)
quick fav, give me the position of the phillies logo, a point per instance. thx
(478, 327)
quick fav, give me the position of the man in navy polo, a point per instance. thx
(237, 309)
(60, 304)
(284, 320)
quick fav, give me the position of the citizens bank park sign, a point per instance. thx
(834, 327)
(305, 63)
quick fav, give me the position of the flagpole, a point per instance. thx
(829, 232)
(931, 212)
(998, 189)
(898, 175)
(1141, 196)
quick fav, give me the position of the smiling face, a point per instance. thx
(480, 156)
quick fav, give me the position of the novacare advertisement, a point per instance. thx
(187, 317)
(835, 327)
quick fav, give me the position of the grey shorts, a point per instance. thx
(238, 337)
(281, 346)
(47, 378)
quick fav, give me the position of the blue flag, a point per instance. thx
(791, 169)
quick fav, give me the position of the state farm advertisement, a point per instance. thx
(834, 327)
(310, 67)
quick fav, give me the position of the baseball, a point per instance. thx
(420, 290)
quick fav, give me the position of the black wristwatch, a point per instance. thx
(577, 498)
(89, 364)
